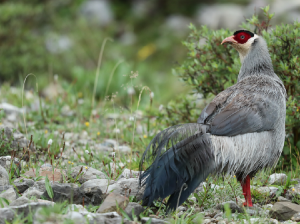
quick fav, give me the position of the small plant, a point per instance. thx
(49, 188)
(3, 202)
(259, 197)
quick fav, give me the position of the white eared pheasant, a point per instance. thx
(240, 132)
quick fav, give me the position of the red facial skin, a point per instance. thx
(242, 37)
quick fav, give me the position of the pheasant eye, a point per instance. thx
(242, 37)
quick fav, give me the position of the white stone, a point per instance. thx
(178, 23)
(89, 185)
(57, 43)
(124, 148)
(75, 207)
(4, 179)
(277, 178)
(8, 108)
(9, 195)
(127, 173)
(98, 11)
(221, 15)
(271, 190)
(89, 173)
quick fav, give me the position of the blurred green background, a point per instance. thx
(59, 41)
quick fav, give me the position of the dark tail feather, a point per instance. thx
(188, 160)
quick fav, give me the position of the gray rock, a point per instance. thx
(181, 209)
(20, 201)
(198, 219)
(273, 221)
(220, 15)
(8, 108)
(6, 214)
(292, 192)
(100, 147)
(12, 112)
(270, 190)
(296, 217)
(153, 220)
(79, 208)
(72, 193)
(286, 12)
(4, 179)
(206, 221)
(282, 199)
(232, 205)
(5, 187)
(178, 24)
(56, 43)
(76, 217)
(115, 166)
(5, 161)
(127, 187)
(127, 38)
(109, 204)
(87, 174)
(9, 195)
(24, 185)
(33, 192)
(267, 206)
(218, 215)
(255, 210)
(124, 148)
(109, 218)
(17, 140)
(193, 199)
(98, 11)
(23, 210)
(40, 185)
(224, 222)
(46, 165)
(200, 188)
(93, 186)
(277, 178)
(142, 9)
(110, 143)
(289, 222)
(127, 173)
(41, 218)
(284, 210)
(137, 209)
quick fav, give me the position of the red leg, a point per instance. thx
(247, 192)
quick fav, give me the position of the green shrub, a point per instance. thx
(210, 68)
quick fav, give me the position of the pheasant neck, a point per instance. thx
(246, 192)
(257, 62)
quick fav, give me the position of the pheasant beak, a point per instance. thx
(229, 40)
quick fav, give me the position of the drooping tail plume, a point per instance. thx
(182, 154)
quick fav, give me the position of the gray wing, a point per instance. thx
(245, 113)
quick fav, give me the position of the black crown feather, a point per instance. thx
(246, 31)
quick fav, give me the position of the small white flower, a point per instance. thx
(130, 91)
(87, 152)
(61, 149)
(151, 95)
(131, 118)
(117, 130)
(50, 141)
(161, 107)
